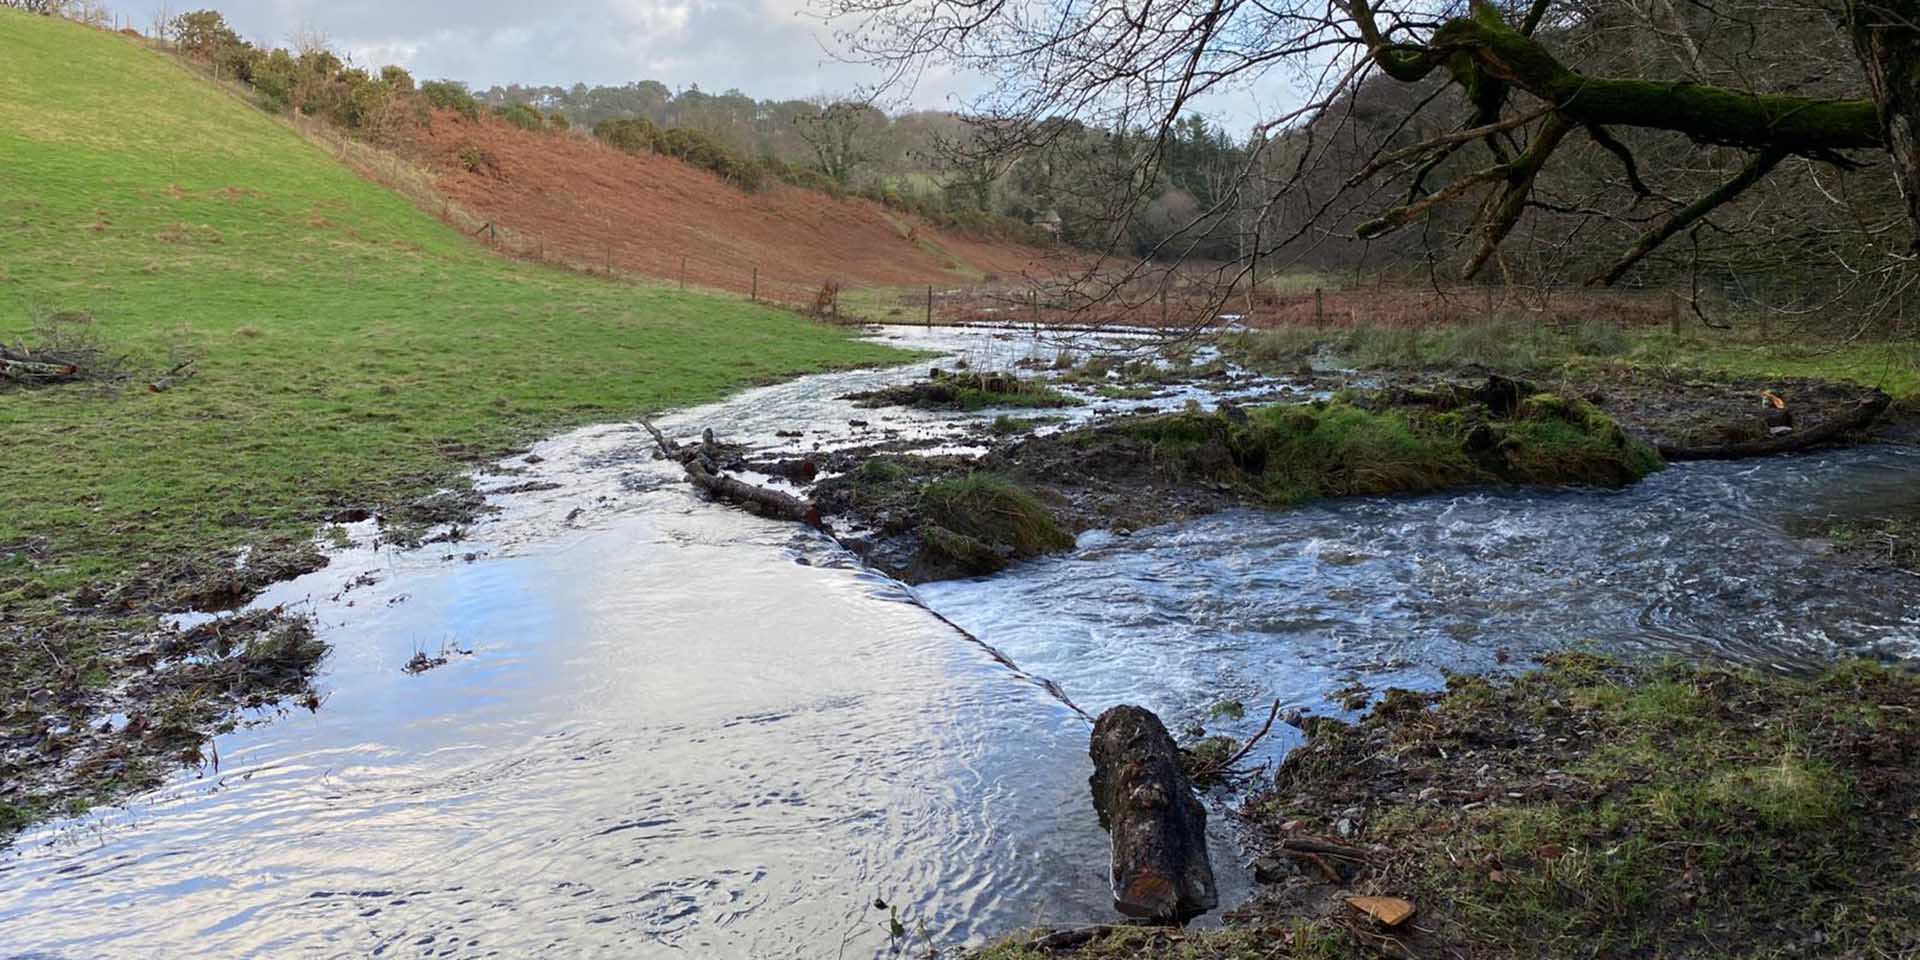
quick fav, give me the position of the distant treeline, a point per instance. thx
(1077, 189)
(933, 161)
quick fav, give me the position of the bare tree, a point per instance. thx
(49, 8)
(162, 23)
(308, 39)
(1705, 104)
(841, 133)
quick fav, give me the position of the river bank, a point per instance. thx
(1605, 810)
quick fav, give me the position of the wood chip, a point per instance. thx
(1390, 911)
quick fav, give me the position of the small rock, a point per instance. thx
(533, 458)
(1274, 869)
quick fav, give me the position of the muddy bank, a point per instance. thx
(107, 696)
(1607, 811)
(1675, 409)
(105, 701)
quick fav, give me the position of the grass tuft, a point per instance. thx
(997, 515)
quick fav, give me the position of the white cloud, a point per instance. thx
(769, 49)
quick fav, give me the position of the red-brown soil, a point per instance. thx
(568, 198)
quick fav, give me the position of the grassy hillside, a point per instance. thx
(354, 348)
(352, 351)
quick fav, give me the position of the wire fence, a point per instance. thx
(1169, 298)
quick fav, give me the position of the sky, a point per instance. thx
(769, 49)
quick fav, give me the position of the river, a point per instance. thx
(667, 728)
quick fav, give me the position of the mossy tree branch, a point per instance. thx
(1489, 58)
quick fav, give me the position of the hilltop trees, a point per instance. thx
(314, 81)
(843, 135)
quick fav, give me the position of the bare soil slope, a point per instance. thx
(569, 197)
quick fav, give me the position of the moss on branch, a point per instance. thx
(1703, 112)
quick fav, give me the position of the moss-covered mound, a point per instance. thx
(963, 390)
(1371, 445)
(981, 522)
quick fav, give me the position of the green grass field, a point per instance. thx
(354, 349)
(1521, 345)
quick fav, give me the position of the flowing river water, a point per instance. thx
(668, 728)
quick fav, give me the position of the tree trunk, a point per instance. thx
(1159, 829)
(1886, 35)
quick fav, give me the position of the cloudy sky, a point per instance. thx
(766, 48)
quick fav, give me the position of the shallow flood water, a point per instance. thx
(670, 729)
(1698, 561)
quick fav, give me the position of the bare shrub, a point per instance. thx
(826, 301)
(65, 347)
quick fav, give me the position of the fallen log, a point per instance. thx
(698, 464)
(1160, 868)
(36, 371)
(1859, 418)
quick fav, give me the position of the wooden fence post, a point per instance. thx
(1253, 283)
(1673, 311)
(755, 295)
(1163, 305)
(929, 306)
(1319, 307)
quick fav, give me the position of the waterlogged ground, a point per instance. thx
(665, 728)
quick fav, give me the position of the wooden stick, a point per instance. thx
(1318, 847)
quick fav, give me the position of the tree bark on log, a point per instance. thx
(1830, 431)
(769, 503)
(1158, 828)
(35, 371)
